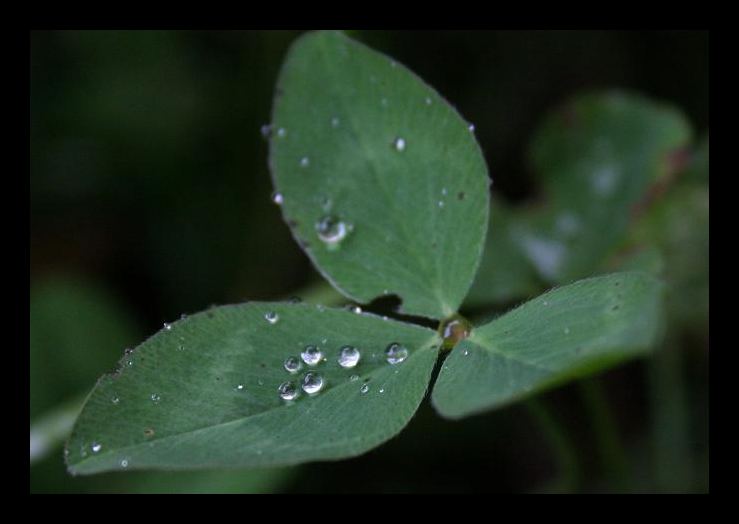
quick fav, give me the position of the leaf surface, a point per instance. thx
(568, 332)
(382, 182)
(203, 394)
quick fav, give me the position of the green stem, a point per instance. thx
(670, 420)
(561, 445)
(610, 449)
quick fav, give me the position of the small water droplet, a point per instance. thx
(355, 309)
(288, 391)
(335, 122)
(293, 364)
(271, 317)
(115, 400)
(428, 101)
(124, 463)
(395, 353)
(441, 203)
(399, 144)
(349, 357)
(311, 355)
(304, 162)
(382, 390)
(443, 191)
(281, 132)
(240, 387)
(331, 230)
(266, 131)
(127, 351)
(130, 362)
(471, 128)
(277, 198)
(364, 389)
(545, 303)
(155, 398)
(96, 447)
(168, 326)
(353, 378)
(312, 383)
(466, 352)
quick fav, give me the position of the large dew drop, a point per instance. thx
(349, 357)
(312, 383)
(331, 230)
(288, 391)
(395, 353)
(311, 355)
(293, 364)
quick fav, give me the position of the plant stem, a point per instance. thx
(610, 448)
(560, 443)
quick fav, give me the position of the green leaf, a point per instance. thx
(360, 141)
(505, 272)
(568, 332)
(596, 159)
(178, 404)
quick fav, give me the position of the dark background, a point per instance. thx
(150, 197)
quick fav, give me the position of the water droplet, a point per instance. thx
(453, 330)
(293, 364)
(124, 463)
(353, 378)
(399, 144)
(311, 355)
(266, 131)
(364, 389)
(355, 309)
(471, 128)
(127, 351)
(96, 447)
(545, 303)
(148, 432)
(288, 391)
(428, 101)
(271, 317)
(443, 191)
(331, 230)
(281, 132)
(130, 362)
(115, 400)
(277, 198)
(335, 122)
(382, 390)
(349, 357)
(466, 352)
(240, 387)
(395, 353)
(155, 398)
(168, 326)
(304, 162)
(441, 203)
(312, 383)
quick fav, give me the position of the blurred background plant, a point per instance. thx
(150, 198)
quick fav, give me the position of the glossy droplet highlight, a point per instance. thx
(271, 317)
(168, 326)
(281, 132)
(395, 353)
(311, 355)
(293, 364)
(277, 198)
(312, 383)
(115, 400)
(266, 131)
(349, 357)
(353, 378)
(304, 162)
(331, 230)
(399, 144)
(155, 398)
(124, 463)
(453, 330)
(364, 389)
(287, 391)
(96, 447)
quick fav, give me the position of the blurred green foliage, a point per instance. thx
(150, 198)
